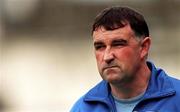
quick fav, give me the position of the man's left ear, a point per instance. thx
(145, 46)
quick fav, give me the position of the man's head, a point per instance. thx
(121, 41)
(117, 17)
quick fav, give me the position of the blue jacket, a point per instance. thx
(162, 95)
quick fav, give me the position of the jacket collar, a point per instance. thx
(159, 86)
(101, 92)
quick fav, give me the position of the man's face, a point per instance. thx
(118, 54)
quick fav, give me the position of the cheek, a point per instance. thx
(126, 55)
(122, 53)
(99, 60)
(98, 57)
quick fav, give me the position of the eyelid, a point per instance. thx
(98, 45)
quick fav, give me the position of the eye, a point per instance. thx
(99, 46)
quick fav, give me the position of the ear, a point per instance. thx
(145, 46)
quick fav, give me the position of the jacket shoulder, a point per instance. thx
(93, 95)
(77, 105)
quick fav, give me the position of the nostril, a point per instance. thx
(108, 58)
(108, 55)
(109, 61)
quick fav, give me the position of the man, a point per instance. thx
(130, 82)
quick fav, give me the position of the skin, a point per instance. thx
(121, 60)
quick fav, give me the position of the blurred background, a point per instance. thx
(46, 50)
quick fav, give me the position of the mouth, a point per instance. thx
(110, 67)
(109, 70)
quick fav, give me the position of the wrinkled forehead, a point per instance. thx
(102, 32)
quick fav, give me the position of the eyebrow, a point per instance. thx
(98, 43)
(120, 41)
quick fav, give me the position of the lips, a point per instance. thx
(109, 67)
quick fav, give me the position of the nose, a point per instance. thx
(108, 56)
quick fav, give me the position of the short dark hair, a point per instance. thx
(116, 17)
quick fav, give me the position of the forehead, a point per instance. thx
(123, 32)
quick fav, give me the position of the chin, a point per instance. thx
(117, 79)
(114, 79)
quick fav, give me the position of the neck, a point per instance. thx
(134, 88)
